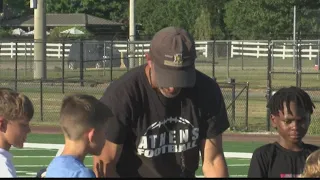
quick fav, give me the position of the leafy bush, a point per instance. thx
(5, 32)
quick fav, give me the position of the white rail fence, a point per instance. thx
(56, 49)
(285, 49)
(282, 49)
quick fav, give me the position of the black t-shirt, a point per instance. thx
(155, 130)
(274, 161)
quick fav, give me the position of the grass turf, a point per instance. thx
(29, 161)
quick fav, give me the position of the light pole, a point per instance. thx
(294, 37)
(132, 33)
(40, 68)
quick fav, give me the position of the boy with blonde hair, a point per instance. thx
(82, 120)
(312, 167)
(16, 111)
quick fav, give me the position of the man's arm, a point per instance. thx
(119, 102)
(105, 163)
(214, 124)
(213, 160)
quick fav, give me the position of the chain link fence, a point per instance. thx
(299, 69)
(47, 98)
(236, 96)
(89, 65)
(89, 59)
(108, 60)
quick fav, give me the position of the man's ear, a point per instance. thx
(3, 124)
(147, 55)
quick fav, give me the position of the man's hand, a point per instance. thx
(214, 163)
(99, 169)
(105, 164)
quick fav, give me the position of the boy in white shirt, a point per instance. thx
(16, 111)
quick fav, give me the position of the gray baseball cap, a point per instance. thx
(173, 52)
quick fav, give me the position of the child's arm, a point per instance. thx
(258, 165)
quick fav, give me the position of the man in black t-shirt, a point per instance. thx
(291, 110)
(165, 113)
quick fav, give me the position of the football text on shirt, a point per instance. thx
(169, 136)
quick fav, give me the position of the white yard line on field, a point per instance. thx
(22, 171)
(31, 166)
(40, 156)
(237, 165)
(33, 156)
(31, 173)
(31, 149)
(37, 165)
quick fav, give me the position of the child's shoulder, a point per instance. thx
(6, 157)
(68, 166)
(311, 147)
(264, 150)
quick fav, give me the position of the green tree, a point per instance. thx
(155, 15)
(215, 12)
(17, 8)
(115, 10)
(62, 6)
(183, 13)
(203, 28)
(263, 19)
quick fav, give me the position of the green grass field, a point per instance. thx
(30, 160)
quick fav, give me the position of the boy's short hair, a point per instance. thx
(80, 112)
(312, 165)
(287, 95)
(15, 105)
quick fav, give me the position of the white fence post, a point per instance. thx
(31, 50)
(12, 43)
(310, 51)
(258, 50)
(206, 50)
(231, 49)
(284, 51)
(59, 50)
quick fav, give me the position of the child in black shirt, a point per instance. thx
(291, 110)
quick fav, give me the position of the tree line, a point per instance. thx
(205, 19)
